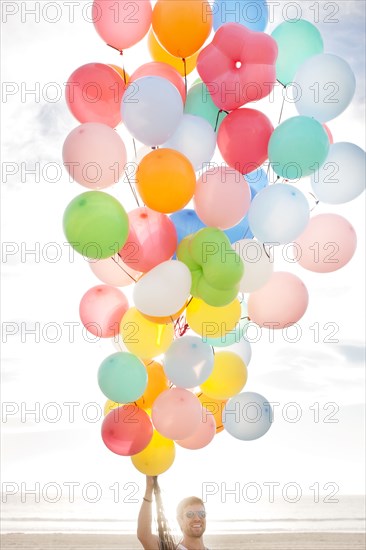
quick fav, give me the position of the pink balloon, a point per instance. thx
(243, 139)
(327, 244)
(157, 68)
(203, 435)
(280, 303)
(101, 310)
(238, 66)
(176, 413)
(94, 155)
(222, 197)
(152, 239)
(113, 271)
(122, 23)
(127, 430)
(329, 133)
(94, 94)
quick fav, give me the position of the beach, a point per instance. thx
(273, 541)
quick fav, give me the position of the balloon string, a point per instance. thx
(118, 50)
(119, 265)
(132, 189)
(185, 74)
(268, 256)
(316, 201)
(217, 118)
(283, 104)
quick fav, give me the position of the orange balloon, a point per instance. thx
(215, 407)
(125, 77)
(157, 382)
(158, 53)
(165, 180)
(182, 27)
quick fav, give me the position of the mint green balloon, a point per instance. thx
(298, 147)
(199, 103)
(96, 225)
(122, 377)
(297, 41)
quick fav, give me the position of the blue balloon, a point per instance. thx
(257, 180)
(186, 222)
(253, 14)
(239, 231)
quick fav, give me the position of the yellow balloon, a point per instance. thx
(215, 407)
(144, 338)
(212, 322)
(158, 53)
(110, 405)
(122, 73)
(228, 377)
(157, 457)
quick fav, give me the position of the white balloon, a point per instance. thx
(342, 177)
(258, 264)
(323, 87)
(247, 416)
(164, 289)
(241, 348)
(195, 138)
(188, 362)
(278, 214)
(151, 109)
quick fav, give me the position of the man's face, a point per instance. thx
(192, 523)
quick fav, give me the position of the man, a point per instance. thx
(191, 516)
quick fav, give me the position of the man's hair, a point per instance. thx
(187, 502)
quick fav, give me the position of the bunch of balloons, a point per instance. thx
(193, 267)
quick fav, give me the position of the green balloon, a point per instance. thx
(199, 103)
(297, 41)
(96, 225)
(298, 147)
(122, 377)
(215, 267)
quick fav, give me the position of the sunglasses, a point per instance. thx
(201, 514)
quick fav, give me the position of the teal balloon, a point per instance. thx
(122, 377)
(297, 41)
(298, 147)
(199, 103)
(96, 225)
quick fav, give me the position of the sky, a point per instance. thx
(53, 371)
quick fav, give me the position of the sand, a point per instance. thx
(283, 541)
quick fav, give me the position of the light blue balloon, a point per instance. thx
(257, 180)
(342, 177)
(278, 214)
(247, 416)
(122, 377)
(235, 335)
(239, 231)
(253, 14)
(188, 362)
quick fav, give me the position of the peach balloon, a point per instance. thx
(165, 180)
(94, 155)
(222, 197)
(152, 239)
(113, 271)
(281, 302)
(101, 310)
(176, 413)
(182, 27)
(158, 53)
(327, 244)
(203, 435)
(165, 71)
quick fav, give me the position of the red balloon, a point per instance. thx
(94, 94)
(152, 239)
(243, 139)
(157, 68)
(238, 66)
(127, 430)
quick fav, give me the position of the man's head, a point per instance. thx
(191, 516)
